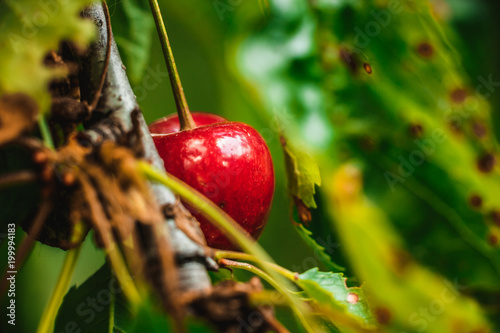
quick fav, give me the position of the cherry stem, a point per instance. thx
(185, 118)
(222, 254)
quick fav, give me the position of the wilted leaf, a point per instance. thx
(17, 115)
(29, 29)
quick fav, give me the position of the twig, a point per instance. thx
(18, 177)
(97, 95)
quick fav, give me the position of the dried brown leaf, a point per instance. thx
(18, 114)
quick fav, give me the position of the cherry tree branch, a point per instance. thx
(117, 117)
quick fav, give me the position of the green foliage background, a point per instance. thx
(277, 68)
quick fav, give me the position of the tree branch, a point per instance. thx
(117, 117)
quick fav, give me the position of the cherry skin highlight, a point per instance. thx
(228, 162)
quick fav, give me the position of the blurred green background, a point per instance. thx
(203, 37)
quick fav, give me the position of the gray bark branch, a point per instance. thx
(116, 115)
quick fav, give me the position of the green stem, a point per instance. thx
(185, 118)
(123, 275)
(220, 254)
(234, 232)
(266, 277)
(50, 312)
(45, 131)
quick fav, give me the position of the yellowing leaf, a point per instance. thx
(401, 291)
(29, 29)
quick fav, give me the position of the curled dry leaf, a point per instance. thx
(18, 114)
(185, 221)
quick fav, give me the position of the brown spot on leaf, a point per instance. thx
(425, 50)
(495, 215)
(352, 298)
(349, 59)
(479, 129)
(282, 141)
(18, 114)
(383, 315)
(475, 201)
(493, 239)
(456, 126)
(401, 261)
(368, 68)
(416, 130)
(303, 211)
(486, 163)
(458, 95)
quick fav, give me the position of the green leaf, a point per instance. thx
(29, 29)
(151, 320)
(319, 250)
(302, 173)
(98, 305)
(329, 290)
(132, 28)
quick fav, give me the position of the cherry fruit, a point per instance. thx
(229, 162)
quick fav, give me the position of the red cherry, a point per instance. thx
(229, 162)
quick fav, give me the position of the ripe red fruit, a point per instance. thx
(228, 162)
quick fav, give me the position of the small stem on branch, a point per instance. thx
(220, 254)
(185, 118)
(18, 177)
(45, 131)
